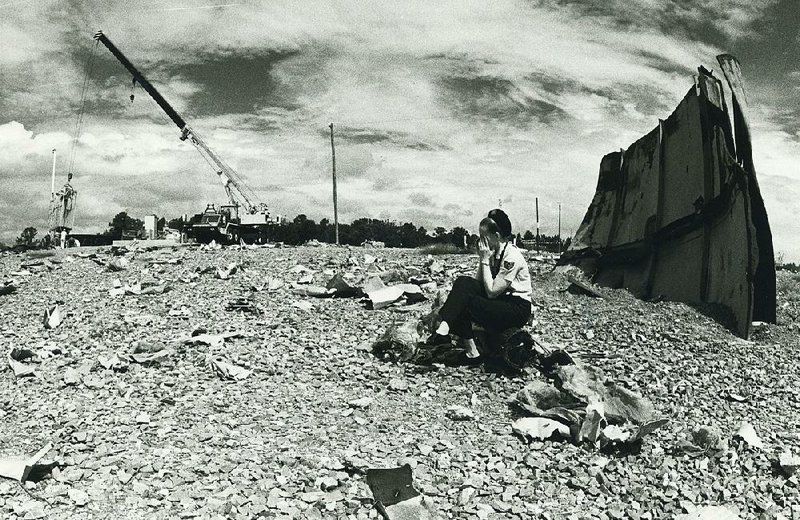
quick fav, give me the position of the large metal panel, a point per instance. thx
(679, 214)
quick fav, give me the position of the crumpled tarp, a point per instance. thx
(582, 405)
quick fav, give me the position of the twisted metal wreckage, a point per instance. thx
(679, 214)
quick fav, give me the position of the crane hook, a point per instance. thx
(133, 86)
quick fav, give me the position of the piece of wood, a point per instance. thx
(585, 287)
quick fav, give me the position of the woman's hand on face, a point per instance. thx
(483, 249)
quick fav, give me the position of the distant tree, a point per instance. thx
(122, 223)
(440, 232)
(176, 223)
(161, 224)
(528, 235)
(305, 229)
(27, 237)
(458, 236)
(411, 236)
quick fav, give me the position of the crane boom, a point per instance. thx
(137, 76)
(234, 187)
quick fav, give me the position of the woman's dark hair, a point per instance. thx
(500, 223)
(490, 225)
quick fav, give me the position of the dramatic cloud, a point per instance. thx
(441, 110)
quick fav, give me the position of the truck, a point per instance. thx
(244, 217)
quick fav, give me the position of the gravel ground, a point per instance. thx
(172, 439)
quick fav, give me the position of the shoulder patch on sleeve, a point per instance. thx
(508, 264)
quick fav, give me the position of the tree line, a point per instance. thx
(302, 229)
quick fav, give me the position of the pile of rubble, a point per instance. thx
(273, 382)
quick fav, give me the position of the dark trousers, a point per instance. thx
(467, 303)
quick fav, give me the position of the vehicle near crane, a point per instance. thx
(244, 217)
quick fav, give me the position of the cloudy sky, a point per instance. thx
(442, 109)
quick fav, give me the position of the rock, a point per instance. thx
(789, 463)
(398, 385)
(710, 513)
(708, 438)
(748, 434)
(78, 496)
(328, 484)
(363, 402)
(460, 413)
(118, 263)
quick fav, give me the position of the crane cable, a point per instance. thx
(81, 111)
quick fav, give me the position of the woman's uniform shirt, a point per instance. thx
(510, 264)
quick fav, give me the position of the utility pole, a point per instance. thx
(559, 228)
(335, 204)
(53, 179)
(537, 224)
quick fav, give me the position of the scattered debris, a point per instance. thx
(398, 342)
(22, 469)
(341, 288)
(460, 413)
(398, 384)
(587, 385)
(789, 463)
(201, 337)
(382, 298)
(665, 352)
(363, 402)
(748, 434)
(579, 286)
(226, 370)
(394, 487)
(72, 377)
(539, 428)
(53, 317)
(304, 306)
(708, 439)
(118, 263)
(152, 289)
(584, 403)
(242, 305)
(112, 362)
(710, 513)
(149, 358)
(19, 368)
(314, 291)
(224, 273)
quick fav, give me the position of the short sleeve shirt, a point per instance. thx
(514, 268)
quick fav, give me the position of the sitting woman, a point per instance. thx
(498, 298)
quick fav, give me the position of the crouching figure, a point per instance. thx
(497, 298)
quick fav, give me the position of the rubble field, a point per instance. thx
(173, 384)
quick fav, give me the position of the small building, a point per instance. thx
(150, 227)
